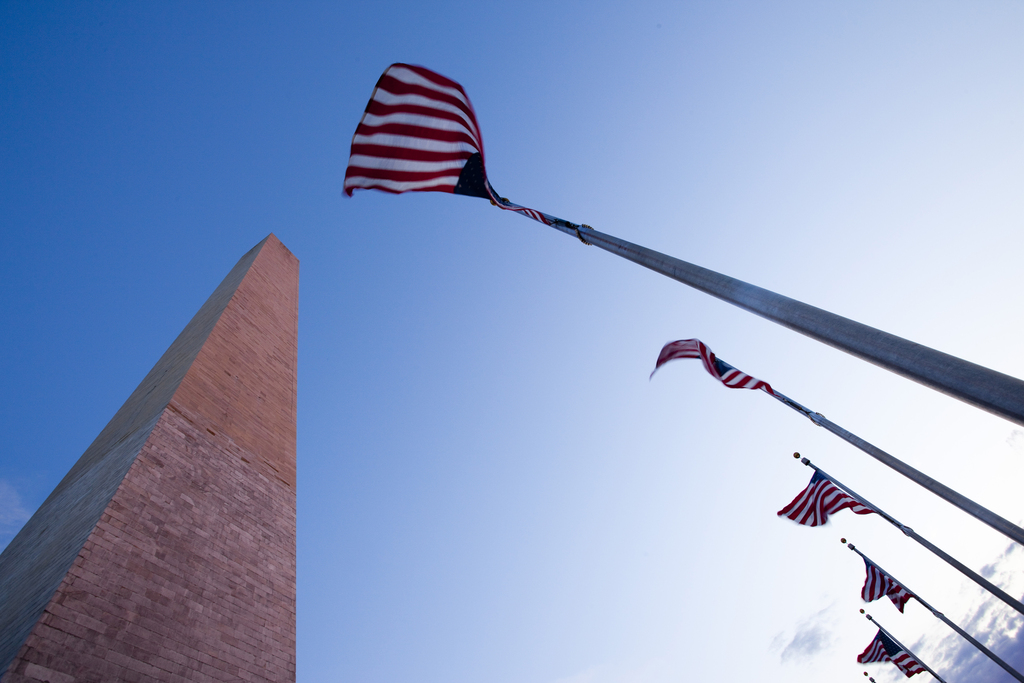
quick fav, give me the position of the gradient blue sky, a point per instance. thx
(489, 486)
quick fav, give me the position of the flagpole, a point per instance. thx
(973, 576)
(988, 653)
(904, 648)
(979, 386)
(983, 514)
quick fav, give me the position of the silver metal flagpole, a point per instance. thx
(904, 648)
(988, 653)
(963, 569)
(1000, 524)
(979, 386)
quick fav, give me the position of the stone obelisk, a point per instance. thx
(167, 553)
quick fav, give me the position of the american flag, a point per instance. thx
(719, 369)
(419, 133)
(820, 499)
(883, 649)
(878, 583)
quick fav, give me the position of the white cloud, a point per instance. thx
(813, 635)
(1016, 440)
(12, 512)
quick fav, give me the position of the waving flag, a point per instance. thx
(883, 649)
(878, 583)
(719, 369)
(419, 133)
(820, 499)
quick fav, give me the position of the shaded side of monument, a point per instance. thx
(168, 551)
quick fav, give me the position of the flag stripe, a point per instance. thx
(412, 142)
(397, 187)
(431, 124)
(404, 176)
(427, 134)
(442, 99)
(406, 165)
(382, 108)
(407, 154)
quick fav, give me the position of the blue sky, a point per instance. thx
(489, 486)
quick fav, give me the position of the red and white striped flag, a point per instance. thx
(877, 583)
(719, 369)
(883, 649)
(419, 133)
(820, 499)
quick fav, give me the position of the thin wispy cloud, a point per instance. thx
(1016, 440)
(13, 513)
(812, 636)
